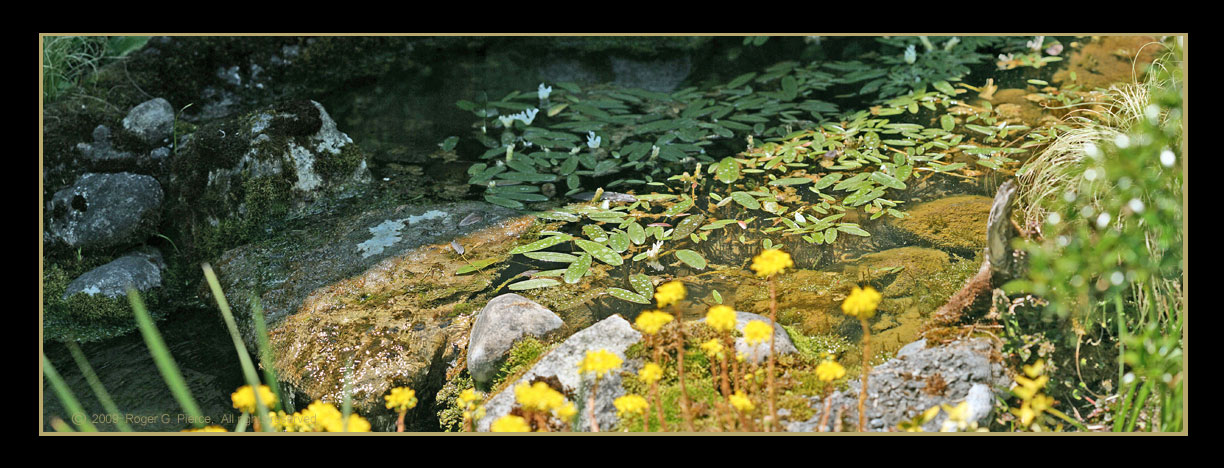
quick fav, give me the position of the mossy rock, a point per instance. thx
(956, 223)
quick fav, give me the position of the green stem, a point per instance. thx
(165, 362)
(66, 397)
(1143, 394)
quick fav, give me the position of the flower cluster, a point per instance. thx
(862, 302)
(669, 293)
(741, 402)
(538, 397)
(1033, 402)
(650, 373)
(526, 117)
(510, 423)
(244, 398)
(829, 371)
(713, 348)
(757, 331)
(600, 362)
(401, 399)
(321, 417)
(630, 404)
(651, 321)
(771, 262)
(721, 318)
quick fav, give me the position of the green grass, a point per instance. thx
(69, 61)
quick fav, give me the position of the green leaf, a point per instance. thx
(688, 225)
(852, 229)
(577, 269)
(691, 258)
(827, 180)
(600, 252)
(619, 241)
(476, 265)
(679, 207)
(506, 202)
(830, 236)
(627, 295)
(551, 256)
(636, 233)
(944, 87)
(717, 297)
(741, 80)
(533, 284)
(746, 200)
(790, 181)
(887, 180)
(947, 122)
(541, 244)
(642, 284)
(595, 233)
(728, 170)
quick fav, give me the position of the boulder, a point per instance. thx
(504, 320)
(101, 154)
(151, 121)
(105, 211)
(956, 224)
(614, 334)
(906, 386)
(757, 353)
(141, 269)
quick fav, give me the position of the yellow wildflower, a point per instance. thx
(651, 321)
(1034, 370)
(630, 404)
(600, 362)
(510, 423)
(538, 397)
(650, 373)
(1028, 387)
(468, 398)
(1025, 413)
(741, 402)
(957, 417)
(757, 331)
(829, 371)
(567, 411)
(355, 424)
(669, 293)
(862, 302)
(206, 429)
(721, 318)
(771, 262)
(712, 348)
(401, 399)
(319, 417)
(244, 398)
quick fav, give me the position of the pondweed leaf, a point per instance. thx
(691, 258)
(541, 244)
(637, 234)
(577, 269)
(475, 265)
(641, 283)
(551, 257)
(619, 241)
(628, 296)
(746, 200)
(728, 170)
(600, 252)
(533, 284)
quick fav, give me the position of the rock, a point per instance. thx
(955, 223)
(614, 334)
(141, 269)
(758, 352)
(152, 121)
(105, 211)
(905, 386)
(504, 320)
(101, 154)
(242, 175)
(911, 348)
(374, 285)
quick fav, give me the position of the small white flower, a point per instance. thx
(653, 253)
(951, 43)
(1036, 43)
(543, 91)
(526, 116)
(911, 54)
(506, 120)
(592, 140)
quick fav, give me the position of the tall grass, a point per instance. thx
(69, 61)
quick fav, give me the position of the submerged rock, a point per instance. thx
(377, 286)
(954, 223)
(105, 211)
(141, 269)
(504, 320)
(613, 334)
(904, 387)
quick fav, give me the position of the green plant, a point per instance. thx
(69, 60)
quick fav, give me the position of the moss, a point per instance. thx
(953, 223)
(450, 416)
(83, 317)
(340, 166)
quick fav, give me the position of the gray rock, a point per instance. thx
(141, 269)
(151, 121)
(105, 210)
(614, 334)
(901, 389)
(758, 352)
(504, 320)
(911, 348)
(100, 153)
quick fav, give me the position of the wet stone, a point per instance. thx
(141, 269)
(105, 211)
(504, 320)
(151, 121)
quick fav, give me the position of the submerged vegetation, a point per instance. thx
(800, 172)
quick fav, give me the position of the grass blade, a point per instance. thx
(96, 385)
(66, 397)
(165, 362)
(248, 369)
(265, 352)
(347, 407)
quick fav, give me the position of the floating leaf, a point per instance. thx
(636, 233)
(852, 229)
(717, 297)
(790, 181)
(830, 236)
(679, 207)
(947, 122)
(743, 198)
(533, 284)
(506, 202)
(541, 244)
(595, 233)
(691, 258)
(600, 252)
(642, 284)
(688, 225)
(887, 180)
(578, 269)
(476, 265)
(628, 296)
(728, 170)
(619, 241)
(551, 256)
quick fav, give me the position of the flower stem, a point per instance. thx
(684, 402)
(824, 418)
(773, 319)
(862, 423)
(399, 423)
(591, 404)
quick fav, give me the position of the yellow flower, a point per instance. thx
(741, 401)
(757, 331)
(771, 262)
(355, 424)
(538, 397)
(721, 318)
(862, 302)
(712, 348)
(957, 416)
(1028, 388)
(650, 373)
(600, 362)
(651, 321)
(206, 429)
(401, 399)
(1035, 369)
(280, 421)
(567, 411)
(318, 417)
(468, 398)
(1025, 413)
(630, 404)
(669, 293)
(510, 423)
(829, 371)
(244, 398)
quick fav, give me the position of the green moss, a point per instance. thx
(523, 354)
(450, 416)
(83, 317)
(339, 166)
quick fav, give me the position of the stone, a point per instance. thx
(905, 386)
(152, 121)
(757, 353)
(141, 269)
(614, 334)
(101, 154)
(105, 211)
(504, 320)
(956, 223)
